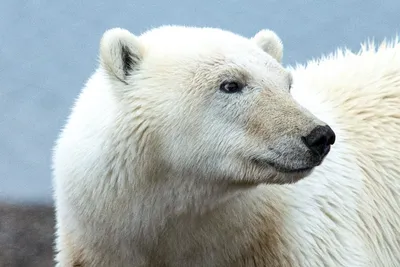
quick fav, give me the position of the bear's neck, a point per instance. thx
(186, 196)
(193, 223)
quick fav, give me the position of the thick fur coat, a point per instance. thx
(191, 147)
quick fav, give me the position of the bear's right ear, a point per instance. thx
(120, 53)
(270, 42)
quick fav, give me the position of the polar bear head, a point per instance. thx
(209, 103)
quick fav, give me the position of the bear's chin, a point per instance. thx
(282, 174)
(292, 177)
(270, 176)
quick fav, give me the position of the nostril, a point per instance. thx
(320, 139)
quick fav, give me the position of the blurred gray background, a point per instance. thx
(49, 48)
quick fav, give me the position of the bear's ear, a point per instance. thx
(270, 42)
(120, 53)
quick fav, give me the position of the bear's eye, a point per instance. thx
(230, 87)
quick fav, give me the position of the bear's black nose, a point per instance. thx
(320, 140)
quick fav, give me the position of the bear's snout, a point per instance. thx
(319, 140)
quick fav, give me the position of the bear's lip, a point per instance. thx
(283, 169)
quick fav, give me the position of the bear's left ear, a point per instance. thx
(120, 53)
(270, 42)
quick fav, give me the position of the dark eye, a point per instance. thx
(230, 87)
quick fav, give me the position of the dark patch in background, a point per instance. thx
(26, 235)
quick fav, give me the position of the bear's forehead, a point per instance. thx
(207, 51)
(181, 34)
(179, 41)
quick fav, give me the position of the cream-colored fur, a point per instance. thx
(347, 213)
(155, 166)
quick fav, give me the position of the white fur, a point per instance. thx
(126, 198)
(270, 42)
(110, 49)
(347, 212)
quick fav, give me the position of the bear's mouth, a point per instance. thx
(281, 168)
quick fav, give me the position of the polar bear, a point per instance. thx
(182, 148)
